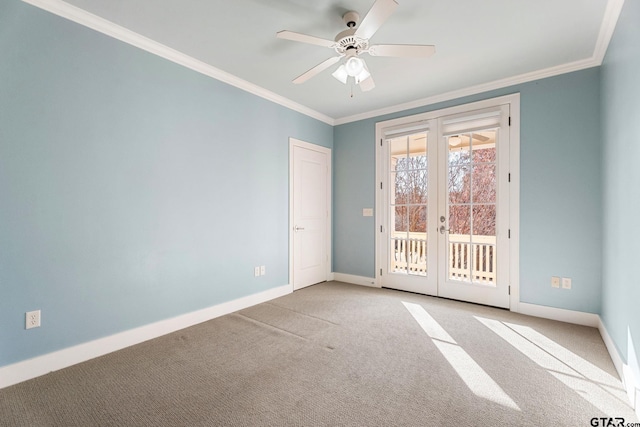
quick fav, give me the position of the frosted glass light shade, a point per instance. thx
(341, 74)
(354, 66)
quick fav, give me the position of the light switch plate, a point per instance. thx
(566, 283)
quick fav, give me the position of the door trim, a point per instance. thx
(293, 142)
(514, 187)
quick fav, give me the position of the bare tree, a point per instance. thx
(411, 194)
(472, 192)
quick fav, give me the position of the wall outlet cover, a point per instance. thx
(32, 319)
(555, 281)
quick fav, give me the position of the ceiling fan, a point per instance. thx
(353, 42)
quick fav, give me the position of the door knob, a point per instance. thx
(442, 229)
(296, 228)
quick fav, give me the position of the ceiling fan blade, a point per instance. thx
(316, 70)
(304, 38)
(380, 12)
(403, 50)
(367, 84)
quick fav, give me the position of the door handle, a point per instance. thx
(442, 229)
(296, 228)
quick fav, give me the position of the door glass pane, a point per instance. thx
(484, 183)
(484, 220)
(398, 256)
(484, 262)
(472, 207)
(459, 150)
(459, 219)
(418, 220)
(408, 200)
(459, 264)
(400, 223)
(398, 157)
(484, 146)
(401, 187)
(417, 256)
(459, 189)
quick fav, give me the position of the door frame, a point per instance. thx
(514, 187)
(293, 142)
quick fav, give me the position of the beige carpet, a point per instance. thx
(339, 355)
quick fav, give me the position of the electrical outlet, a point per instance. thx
(32, 319)
(555, 282)
(566, 283)
(263, 270)
(256, 271)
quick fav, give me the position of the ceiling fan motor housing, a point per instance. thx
(347, 40)
(351, 19)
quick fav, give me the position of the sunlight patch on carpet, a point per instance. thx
(472, 374)
(593, 384)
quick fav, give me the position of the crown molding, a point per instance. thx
(473, 90)
(609, 22)
(89, 20)
(82, 17)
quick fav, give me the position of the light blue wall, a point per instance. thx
(131, 189)
(621, 188)
(560, 204)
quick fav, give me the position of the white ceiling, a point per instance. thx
(479, 44)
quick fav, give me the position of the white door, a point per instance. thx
(410, 258)
(473, 233)
(444, 205)
(310, 213)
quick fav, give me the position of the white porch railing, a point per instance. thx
(466, 262)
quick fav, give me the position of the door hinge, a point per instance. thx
(509, 234)
(509, 176)
(380, 142)
(509, 120)
(381, 229)
(381, 272)
(509, 289)
(381, 185)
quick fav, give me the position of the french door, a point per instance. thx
(443, 205)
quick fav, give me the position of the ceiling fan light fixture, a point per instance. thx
(364, 74)
(455, 140)
(354, 66)
(341, 74)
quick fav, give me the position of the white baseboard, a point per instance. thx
(31, 368)
(356, 280)
(630, 381)
(559, 314)
(611, 348)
